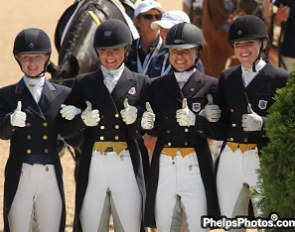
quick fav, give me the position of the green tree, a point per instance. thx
(278, 157)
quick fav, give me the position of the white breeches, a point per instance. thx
(180, 186)
(38, 190)
(236, 174)
(112, 175)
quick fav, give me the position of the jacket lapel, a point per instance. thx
(255, 85)
(46, 102)
(102, 97)
(193, 85)
(237, 86)
(170, 85)
(124, 84)
(27, 99)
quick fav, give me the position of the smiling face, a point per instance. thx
(32, 64)
(182, 59)
(248, 51)
(112, 59)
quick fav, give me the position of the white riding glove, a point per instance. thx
(211, 112)
(18, 118)
(68, 112)
(129, 113)
(90, 117)
(251, 121)
(148, 118)
(184, 116)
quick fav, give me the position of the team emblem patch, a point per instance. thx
(196, 106)
(31, 45)
(132, 91)
(239, 32)
(107, 33)
(262, 104)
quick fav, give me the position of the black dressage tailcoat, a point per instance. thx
(166, 98)
(111, 127)
(38, 137)
(233, 99)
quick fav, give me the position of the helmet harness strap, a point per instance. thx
(258, 57)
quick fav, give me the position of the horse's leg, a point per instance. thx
(205, 59)
(273, 56)
(214, 58)
(186, 9)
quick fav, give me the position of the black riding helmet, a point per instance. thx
(185, 36)
(32, 41)
(247, 27)
(111, 34)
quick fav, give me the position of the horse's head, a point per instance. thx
(64, 74)
(76, 52)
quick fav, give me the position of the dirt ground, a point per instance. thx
(16, 15)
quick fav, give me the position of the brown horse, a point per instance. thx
(217, 16)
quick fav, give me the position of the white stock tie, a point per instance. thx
(35, 86)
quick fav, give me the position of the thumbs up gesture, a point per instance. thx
(68, 112)
(90, 117)
(211, 112)
(251, 121)
(148, 118)
(18, 117)
(129, 113)
(184, 116)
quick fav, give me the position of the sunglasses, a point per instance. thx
(150, 16)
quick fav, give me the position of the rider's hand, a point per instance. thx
(18, 118)
(68, 112)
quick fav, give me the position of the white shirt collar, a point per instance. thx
(184, 76)
(115, 74)
(261, 63)
(248, 74)
(34, 82)
(35, 86)
(111, 77)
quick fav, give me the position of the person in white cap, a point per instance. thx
(160, 64)
(168, 20)
(150, 43)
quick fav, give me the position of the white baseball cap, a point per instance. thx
(147, 5)
(171, 18)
